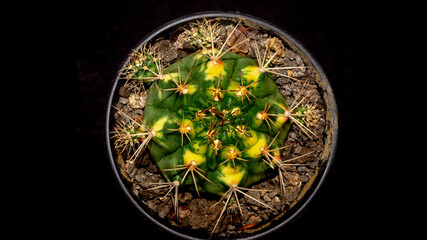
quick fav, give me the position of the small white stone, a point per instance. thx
(137, 100)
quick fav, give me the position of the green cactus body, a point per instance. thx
(210, 114)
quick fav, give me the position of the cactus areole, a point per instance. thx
(212, 115)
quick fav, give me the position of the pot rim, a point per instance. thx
(279, 32)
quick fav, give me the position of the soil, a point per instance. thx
(200, 212)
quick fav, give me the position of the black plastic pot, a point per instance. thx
(331, 117)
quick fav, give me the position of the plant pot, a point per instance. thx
(324, 157)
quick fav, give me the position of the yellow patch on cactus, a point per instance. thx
(159, 126)
(251, 73)
(276, 154)
(252, 139)
(191, 156)
(168, 76)
(214, 70)
(191, 89)
(231, 175)
(280, 121)
(203, 53)
(200, 147)
(254, 151)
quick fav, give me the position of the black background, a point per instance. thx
(63, 182)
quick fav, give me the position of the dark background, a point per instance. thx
(65, 184)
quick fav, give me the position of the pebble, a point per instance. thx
(167, 51)
(164, 209)
(124, 91)
(304, 178)
(314, 164)
(266, 198)
(123, 100)
(293, 136)
(302, 169)
(298, 150)
(298, 60)
(139, 176)
(291, 194)
(137, 100)
(139, 112)
(185, 197)
(152, 205)
(283, 81)
(290, 54)
(255, 219)
(254, 194)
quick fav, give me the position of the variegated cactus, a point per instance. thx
(214, 121)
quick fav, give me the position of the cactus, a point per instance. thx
(214, 121)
